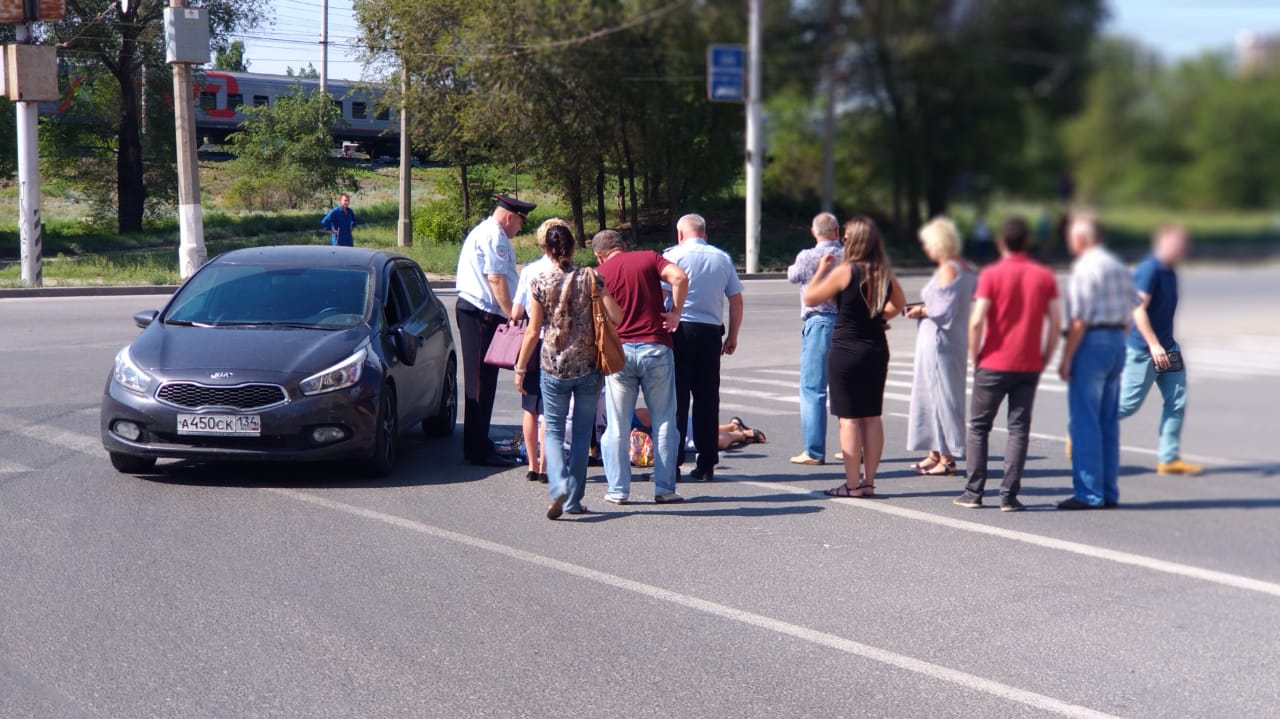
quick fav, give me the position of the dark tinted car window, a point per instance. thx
(415, 286)
(237, 294)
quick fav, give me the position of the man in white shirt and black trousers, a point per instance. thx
(485, 279)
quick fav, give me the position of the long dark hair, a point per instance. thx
(561, 246)
(864, 246)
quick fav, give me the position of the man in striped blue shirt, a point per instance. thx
(1100, 299)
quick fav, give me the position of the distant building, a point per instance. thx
(1256, 52)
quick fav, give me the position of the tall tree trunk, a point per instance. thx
(674, 196)
(573, 188)
(622, 189)
(602, 217)
(466, 192)
(631, 181)
(131, 186)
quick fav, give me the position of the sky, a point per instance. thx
(1175, 28)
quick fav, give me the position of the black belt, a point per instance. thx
(490, 317)
(1104, 326)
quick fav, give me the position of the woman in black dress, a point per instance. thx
(866, 295)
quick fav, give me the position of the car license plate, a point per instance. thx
(225, 425)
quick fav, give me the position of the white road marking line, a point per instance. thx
(772, 382)
(1235, 581)
(1201, 458)
(756, 394)
(8, 466)
(760, 621)
(787, 372)
(733, 407)
(73, 441)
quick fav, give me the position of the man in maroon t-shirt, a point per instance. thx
(635, 281)
(1017, 305)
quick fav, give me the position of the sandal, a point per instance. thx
(845, 491)
(923, 465)
(757, 437)
(941, 469)
(738, 421)
(531, 475)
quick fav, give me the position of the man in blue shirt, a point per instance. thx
(1151, 343)
(340, 221)
(815, 341)
(697, 340)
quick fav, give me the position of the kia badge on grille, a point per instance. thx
(221, 375)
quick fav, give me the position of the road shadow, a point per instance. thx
(686, 511)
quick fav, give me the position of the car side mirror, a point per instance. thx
(144, 318)
(406, 344)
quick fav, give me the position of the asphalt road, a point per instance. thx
(235, 591)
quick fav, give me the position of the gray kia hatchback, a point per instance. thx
(285, 353)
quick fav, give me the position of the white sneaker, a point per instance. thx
(668, 498)
(615, 499)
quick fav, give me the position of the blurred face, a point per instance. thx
(511, 222)
(1172, 246)
(345, 201)
(1080, 237)
(929, 250)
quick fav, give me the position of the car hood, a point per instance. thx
(166, 349)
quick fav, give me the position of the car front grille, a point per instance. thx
(190, 395)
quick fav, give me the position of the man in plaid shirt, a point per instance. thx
(1100, 298)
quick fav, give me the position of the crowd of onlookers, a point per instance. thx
(669, 312)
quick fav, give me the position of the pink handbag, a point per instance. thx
(505, 347)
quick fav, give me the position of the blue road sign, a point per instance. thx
(726, 73)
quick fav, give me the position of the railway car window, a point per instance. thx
(234, 100)
(261, 101)
(338, 104)
(208, 101)
(359, 111)
(384, 115)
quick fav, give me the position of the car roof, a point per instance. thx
(310, 256)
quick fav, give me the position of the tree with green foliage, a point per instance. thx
(101, 39)
(283, 153)
(309, 72)
(231, 58)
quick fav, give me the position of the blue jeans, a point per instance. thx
(815, 343)
(1139, 375)
(568, 474)
(1093, 394)
(650, 367)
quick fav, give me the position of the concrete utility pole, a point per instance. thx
(404, 230)
(755, 156)
(830, 74)
(191, 249)
(324, 46)
(30, 226)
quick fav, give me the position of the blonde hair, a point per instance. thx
(942, 238)
(548, 224)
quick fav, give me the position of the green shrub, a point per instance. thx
(439, 222)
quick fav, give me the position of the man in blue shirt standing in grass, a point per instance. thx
(1153, 355)
(340, 221)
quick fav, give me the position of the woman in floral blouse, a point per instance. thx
(560, 303)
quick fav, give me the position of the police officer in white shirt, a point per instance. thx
(485, 279)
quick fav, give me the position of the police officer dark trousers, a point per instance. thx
(485, 278)
(697, 355)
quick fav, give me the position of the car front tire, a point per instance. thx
(386, 445)
(130, 464)
(446, 416)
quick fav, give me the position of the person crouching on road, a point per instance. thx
(531, 400)
(942, 352)
(866, 295)
(1153, 355)
(815, 340)
(1100, 300)
(560, 305)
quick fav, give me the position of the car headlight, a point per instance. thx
(340, 376)
(129, 375)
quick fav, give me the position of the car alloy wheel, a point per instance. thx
(386, 444)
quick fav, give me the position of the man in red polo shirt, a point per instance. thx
(1013, 330)
(635, 281)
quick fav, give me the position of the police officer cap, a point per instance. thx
(519, 207)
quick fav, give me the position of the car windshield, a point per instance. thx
(240, 295)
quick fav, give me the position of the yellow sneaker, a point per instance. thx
(804, 458)
(1178, 466)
